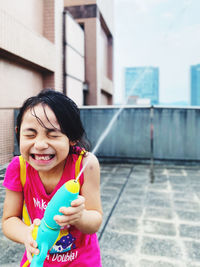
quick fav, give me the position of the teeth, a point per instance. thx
(42, 157)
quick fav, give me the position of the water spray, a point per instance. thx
(112, 121)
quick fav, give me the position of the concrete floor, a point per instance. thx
(145, 224)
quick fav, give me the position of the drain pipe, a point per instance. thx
(64, 53)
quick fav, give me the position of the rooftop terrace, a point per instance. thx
(145, 224)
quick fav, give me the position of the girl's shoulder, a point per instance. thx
(91, 166)
(12, 175)
(91, 161)
(14, 165)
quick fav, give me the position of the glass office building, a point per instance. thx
(195, 85)
(142, 82)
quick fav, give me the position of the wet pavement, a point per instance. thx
(145, 224)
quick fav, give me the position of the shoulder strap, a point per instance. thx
(23, 167)
(25, 214)
(78, 163)
(26, 217)
(22, 170)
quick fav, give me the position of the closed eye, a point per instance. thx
(29, 135)
(53, 136)
(53, 133)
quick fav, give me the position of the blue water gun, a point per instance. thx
(48, 230)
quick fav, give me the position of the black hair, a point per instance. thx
(66, 112)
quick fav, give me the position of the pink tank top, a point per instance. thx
(74, 248)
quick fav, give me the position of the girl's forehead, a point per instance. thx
(41, 114)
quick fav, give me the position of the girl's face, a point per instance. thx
(45, 149)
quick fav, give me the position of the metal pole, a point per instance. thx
(152, 177)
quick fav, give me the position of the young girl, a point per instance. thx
(51, 140)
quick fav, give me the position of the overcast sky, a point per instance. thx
(159, 33)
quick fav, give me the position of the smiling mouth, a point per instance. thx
(42, 156)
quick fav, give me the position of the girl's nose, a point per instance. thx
(40, 144)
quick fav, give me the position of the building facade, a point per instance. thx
(195, 85)
(73, 59)
(43, 46)
(142, 83)
(96, 19)
(30, 58)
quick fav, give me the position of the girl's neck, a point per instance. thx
(52, 177)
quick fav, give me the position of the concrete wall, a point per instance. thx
(75, 59)
(104, 79)
(19, 40)
(129, 136)
(30, 58)
(6, 135)
(96, 17)
(91, 59)
(176, 133)
(106, 8)
(58, 40)
(17, 83)
(32, 12)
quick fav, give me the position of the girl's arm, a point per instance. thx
(91, 218)
(86, 211)
(12, 224)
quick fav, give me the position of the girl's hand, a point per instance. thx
(71, 215)
(30, 243)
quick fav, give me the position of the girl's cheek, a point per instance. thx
(24, 146)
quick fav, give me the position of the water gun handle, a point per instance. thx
(48, 230)
(39, 260)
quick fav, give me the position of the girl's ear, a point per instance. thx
(16, 129)
(72, 143)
